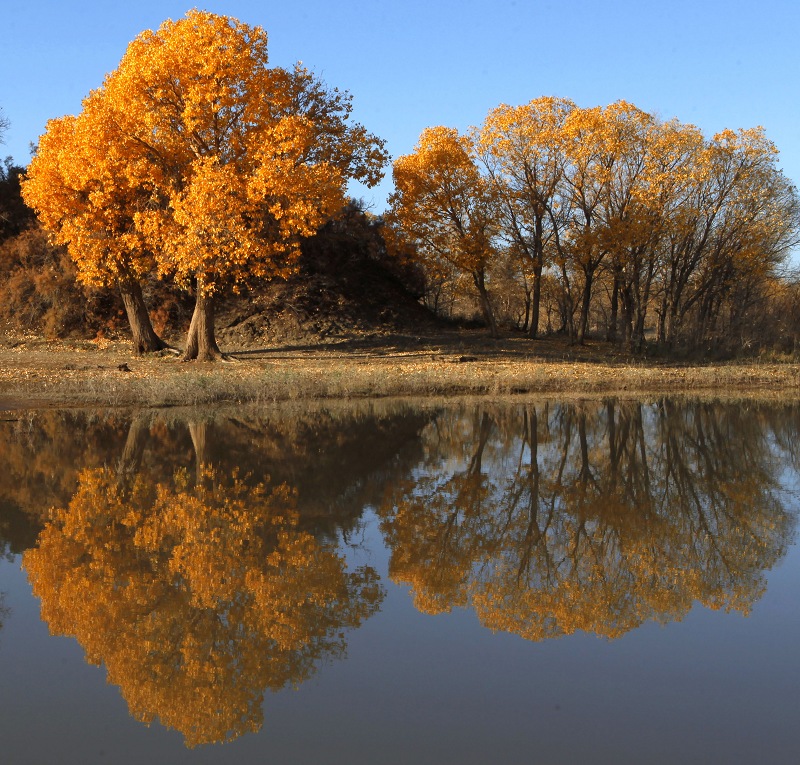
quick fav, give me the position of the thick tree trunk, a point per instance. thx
(201, 344)
(145, 339)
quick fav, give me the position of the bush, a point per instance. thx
(39, 292)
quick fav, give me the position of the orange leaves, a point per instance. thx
(603, 194)
(246, 159)
(442, 203)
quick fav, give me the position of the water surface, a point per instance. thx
(543, 581)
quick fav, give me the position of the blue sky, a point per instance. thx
(412, 64)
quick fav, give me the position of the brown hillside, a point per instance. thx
(346, 285)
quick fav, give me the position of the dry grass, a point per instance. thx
(38, 373)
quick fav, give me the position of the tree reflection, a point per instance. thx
(197, 593)
(337, 457)
(551, 519)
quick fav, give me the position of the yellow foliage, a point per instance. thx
(441, 202)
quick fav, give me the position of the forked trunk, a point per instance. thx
(201, 344)
(145, 339)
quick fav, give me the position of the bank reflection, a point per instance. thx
(197, 591)
(552, 518)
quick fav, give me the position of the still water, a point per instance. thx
(539, 582)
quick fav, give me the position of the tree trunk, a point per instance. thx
(627, 313)
(533, 328)
(486, 306)
(145, 339)
(586, 301)
(567, 306)
(201, 344)
(642, 304)
(611, 330)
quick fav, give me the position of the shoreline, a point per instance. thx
(35, 373)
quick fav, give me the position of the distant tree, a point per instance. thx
(213, 167)
(741, 221)
(4, 125)
(443, 210)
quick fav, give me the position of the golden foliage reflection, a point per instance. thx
(547, 520)
(197, 596)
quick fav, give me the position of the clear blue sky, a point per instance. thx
(411, 64)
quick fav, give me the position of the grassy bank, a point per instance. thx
(34, 372)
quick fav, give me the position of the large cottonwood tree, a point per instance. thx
(229, 162)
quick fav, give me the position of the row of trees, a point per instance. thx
(198, 164)
(606, 210)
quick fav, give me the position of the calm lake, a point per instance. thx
(612, 581)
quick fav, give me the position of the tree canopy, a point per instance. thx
(444, 210)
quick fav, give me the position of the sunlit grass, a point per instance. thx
(64, 375)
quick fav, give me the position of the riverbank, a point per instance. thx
(36, 372)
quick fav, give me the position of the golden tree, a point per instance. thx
(197, 598)
(443, 209)
(230, 162)
(522, 150)
(80, 188)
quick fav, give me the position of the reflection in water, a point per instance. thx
(201, 569)
(196, 593)
(338, 458)
(550, 519)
